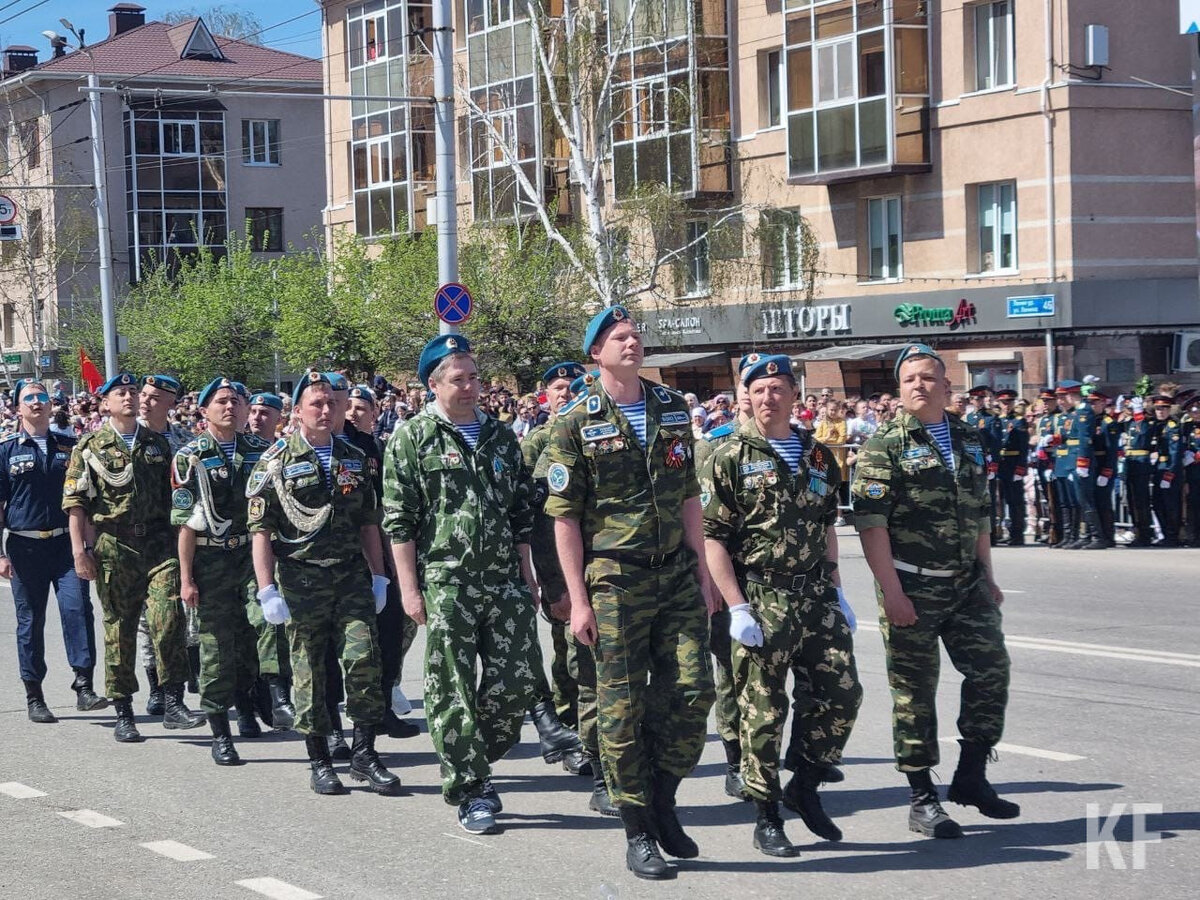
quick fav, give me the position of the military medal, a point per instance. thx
(676, 455)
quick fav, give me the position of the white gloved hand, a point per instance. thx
(274, 607)
(1164, 485)
(1137, 404)
(847, 611)
(743, 627)
(1188, 458)
(1047, 476)
(1101, 481)
(379, 586)
(1083, 473)
(1018, 478)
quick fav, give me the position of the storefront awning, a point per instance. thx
(678, 360)
(850, 353)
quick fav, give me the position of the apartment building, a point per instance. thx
(1010, 180)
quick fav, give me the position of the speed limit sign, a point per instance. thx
(8, 210)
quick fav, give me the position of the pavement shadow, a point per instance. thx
(548, 820)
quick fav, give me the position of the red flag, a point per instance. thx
(88, 371)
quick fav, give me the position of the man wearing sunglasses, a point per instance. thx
(37, 553)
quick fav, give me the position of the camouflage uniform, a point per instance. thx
(654, 681)
(934, 517)
(271, 640)
(316, 521)
(127, 496)
(210, 499)
(774, 525)
(467, 510)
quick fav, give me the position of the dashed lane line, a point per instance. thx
(276, 889)
(176, 851)
(19, 791)
(1021, 750)
(91, 818)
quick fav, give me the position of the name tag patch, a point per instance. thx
(300, 468)
(673, 418)
(599, 432)
(352, 465)
(213, 462)
(763, 465)
(916, 453)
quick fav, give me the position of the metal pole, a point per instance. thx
(107, 312)
(1051, 375)
(443, 117)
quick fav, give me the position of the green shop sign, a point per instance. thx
(918, 316)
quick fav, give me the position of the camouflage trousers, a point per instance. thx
(654, 684)
(228, 650)
(562, 682)
(271, 641)
(475, 720)
(331, 605)
(130, 579)
(581, 662)
(960, 611)
(720, 644)
(805, 633)
(191, 632)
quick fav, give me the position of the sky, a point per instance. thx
(27, 19)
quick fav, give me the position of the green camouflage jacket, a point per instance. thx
(118, 487)
(466, 510)
(624, 497)
(934, 516)
(314, 518)
(210, 490)
(769, 519)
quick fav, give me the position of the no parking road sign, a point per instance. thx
(452, 303)
(8, 210)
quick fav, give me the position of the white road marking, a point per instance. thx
(19, 791)
(459, 837)
(1037, 640)
(276, 889)
(176, 851)
(1020, 750)
(91, 818)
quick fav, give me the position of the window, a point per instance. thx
(696, 255)
(884, 239)
(4, 150)
(260, 142)
(34, 234)
(179, 138)
(10, 324)
(650, 108)
(770, 85)
(30, 134)
(782, 240)
(997, 226)
(264, 228)
(993, 45)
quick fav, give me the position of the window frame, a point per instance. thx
(774, 87)
(178, 127)
(270, 143)
(785, 235)
(697, 259)
(996, 207)
(992, 59)
(890, 270)
(257, 220)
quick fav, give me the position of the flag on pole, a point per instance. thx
(89, 373)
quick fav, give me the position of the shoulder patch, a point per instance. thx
(11, 436)
(183, 499)
(275, 449)
(593, 404)
(662, 394)
(677, 417)
(875, 490)
(558, 476)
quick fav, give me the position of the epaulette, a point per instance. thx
(254, 440)
(570, 406)
(720, 432)
(665, 395)
(11, 436)
(275, 450)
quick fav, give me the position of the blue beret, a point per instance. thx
(766, 367)
(912, 351)
(362, 392)
(603, 320)
(265, 399)
(570, 370)
(163, 383)
(438, 349)
(338, 381)
(583, 382)
(308, 380)
(1069, 385)
(748, 360)
(210, 389)
(121, 379)
(22, 384)
(241, 389)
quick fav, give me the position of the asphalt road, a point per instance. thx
(1104, 711)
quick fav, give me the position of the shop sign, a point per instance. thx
(680, 325)
(790, 321)
(916, 315)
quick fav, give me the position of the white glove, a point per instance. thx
(1083, 473)
(379, 586)
(847, 611)
(743, 627)
(1137, 404)
(1018, 478)
(1188, 458)
(991, 476)
(1102, 481)
(1047, 476)
(274, 607)
(1164, 485)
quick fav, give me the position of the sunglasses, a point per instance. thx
(36, 398)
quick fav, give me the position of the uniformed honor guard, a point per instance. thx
(1166, 485)
(117, 493)
(1105, 450)
(770, 495)
(1079, 428)
(1139, 439)
(1190, 426)
(313, 517)
(921, 510)
(1044, 454)
(630, 537)
(989, 427)
(1013, 465)
(37, 553)
(1064, 469)
(209, 506)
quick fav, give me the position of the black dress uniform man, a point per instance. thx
(988, 424)
(1064, 469)
(1044, 453)
(1105, 450)
(1014, 455)
(1079, 427)
(1167, 482)
(1190, 424)
(37, 554)
(1139, 440)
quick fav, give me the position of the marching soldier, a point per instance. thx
(1014, 454)
(921, 510)
(117, 493)
(313, 516)
(1167, 482)
(37, 554)
(210, 473)
(456, 499)
(1139, 441)
(629, 532)
(771, 497)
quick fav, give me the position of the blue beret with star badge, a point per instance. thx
(585, 381)
(24, 383)
(163, 383)
(438, 349)
(748, 360)
(766, 367)
(308, 380)
(242, 390)
(338, 381)
(571, 370)
(601, 322)
(121, 379)
(262, 398)
(912, 351)
(210, 389)
(362, 392)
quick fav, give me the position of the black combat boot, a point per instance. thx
(556, 739)
(769, 836)
(365, 764)
(338, 748)
(800, 796)
(925, 813)
(223, 752)
(324, 779)
(177, 715)
(601, 801)
(734, 786)
(1095, 539)
(667, 830)
(35, 703)
(832, 775)
(126, 730)
(156, 703)
(283, 714)
(970, 786)
(86, 699)
(577, 762)
(395, 727)
(641, 856)
(193, 682)
(248, 726)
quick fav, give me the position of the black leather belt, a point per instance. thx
(125, 532)
(782, 580)
(637, 557)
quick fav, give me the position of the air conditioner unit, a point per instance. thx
(1186, 357)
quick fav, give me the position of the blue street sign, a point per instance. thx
(452, 303)
(1031, 307)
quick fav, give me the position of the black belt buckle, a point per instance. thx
(657, 560)
(139, 530)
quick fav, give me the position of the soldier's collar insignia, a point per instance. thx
(593, 404)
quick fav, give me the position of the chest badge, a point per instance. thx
(676, 455)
